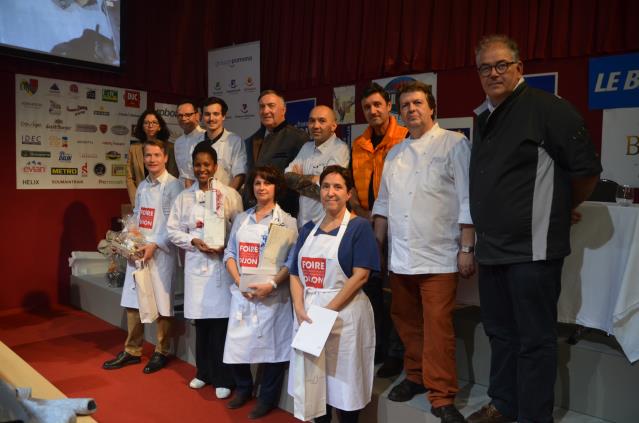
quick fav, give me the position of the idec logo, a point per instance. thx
(34, 166)
(109, 95)
(103, 128)
(146, 217)
(132, 98)
(249, 254)
(32, 139)
(30, 86)
(314, 270)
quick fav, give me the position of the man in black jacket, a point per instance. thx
(276, 143)
(532, 164)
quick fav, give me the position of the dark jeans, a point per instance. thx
(210, 335)
(342, 416)
(271, 376)
(519, 313)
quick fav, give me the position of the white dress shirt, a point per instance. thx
(313, 159)
(424, 196)
(183, 148)
(231, 156)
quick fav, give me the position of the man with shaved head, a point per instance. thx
(325, 149)
(276, 143)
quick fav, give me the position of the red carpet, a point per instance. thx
(68, 347)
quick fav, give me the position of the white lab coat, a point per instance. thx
(206, 281)
(259, 331)
(156, 198)
(350, 348)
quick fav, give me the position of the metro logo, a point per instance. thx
(249, 254)
(132, 98)
(147, 216)
(314, 270)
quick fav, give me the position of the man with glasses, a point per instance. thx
(532, 163)
(189, 120)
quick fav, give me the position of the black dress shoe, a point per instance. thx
(405, 391)
(238, 400)
(260, 410)
(122, 359)
(448, 414)
(157, 362)
(392, 367)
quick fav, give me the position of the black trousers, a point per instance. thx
(270, 380)
(210, 335)
(519, 313)
(342, 416)
(387, 341)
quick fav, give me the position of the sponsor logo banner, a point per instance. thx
(29, 153)
(613, 81)
(29, 86)
(99, 169)
(34, 166)
(118, 170)
(132, 98)
(32, 139)
(65, 171)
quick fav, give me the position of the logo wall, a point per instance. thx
(66, 131)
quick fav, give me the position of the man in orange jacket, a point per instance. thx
(368, 154)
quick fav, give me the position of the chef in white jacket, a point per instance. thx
(154, 197)
(261, 321)
(207, 296)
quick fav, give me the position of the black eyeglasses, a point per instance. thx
(185, 115)
(500, 68)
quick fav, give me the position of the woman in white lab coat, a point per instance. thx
(260, 322)
(207, 297)
(333, 260)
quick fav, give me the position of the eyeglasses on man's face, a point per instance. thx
(500, 68)
(185, 115)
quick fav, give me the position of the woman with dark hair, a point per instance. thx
(261, 322)
(150, 126)
(206, 282)
(333, 260)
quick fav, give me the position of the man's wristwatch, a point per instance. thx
(467, 249)
(273, 284)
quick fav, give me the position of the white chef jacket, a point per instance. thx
(183, 148)
(313, 159)
(424, 196)
(153, 200)
(206, 280)
(231, 156)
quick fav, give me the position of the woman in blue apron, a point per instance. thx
(260, 322)
(333, 261)
(207, 298)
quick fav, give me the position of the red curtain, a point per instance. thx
(329, 42)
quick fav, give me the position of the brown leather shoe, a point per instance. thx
(489, 414)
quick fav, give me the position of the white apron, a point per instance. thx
(259, 331)
(350, 348)
(206, 281)
(152, 220)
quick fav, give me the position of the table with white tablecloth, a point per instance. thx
(600, 279)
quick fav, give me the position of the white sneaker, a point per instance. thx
(197, 383)
(222, 393)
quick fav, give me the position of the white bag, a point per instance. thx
(148, 308)
(309, 392)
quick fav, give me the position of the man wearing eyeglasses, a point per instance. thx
(189, 120)
(532, 163)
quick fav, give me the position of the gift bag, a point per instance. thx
(309, 389)
(146, 297)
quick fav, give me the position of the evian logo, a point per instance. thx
(34, 166)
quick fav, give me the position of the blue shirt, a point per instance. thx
(357, 249)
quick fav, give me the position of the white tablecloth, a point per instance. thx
(600, 279)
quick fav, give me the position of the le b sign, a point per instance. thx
(613, 82)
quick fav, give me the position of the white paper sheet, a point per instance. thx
(250, 276)
(311, 337)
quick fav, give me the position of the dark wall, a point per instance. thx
(308, 47)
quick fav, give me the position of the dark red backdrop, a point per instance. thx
(307, 48)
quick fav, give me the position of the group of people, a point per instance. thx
(416, 203)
